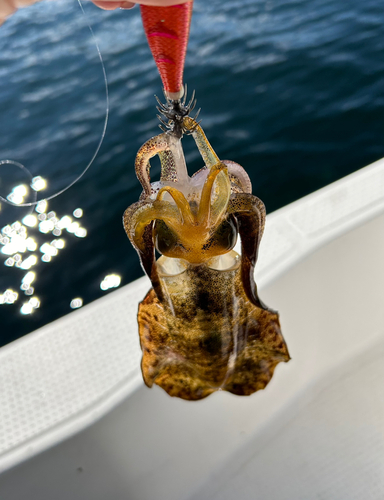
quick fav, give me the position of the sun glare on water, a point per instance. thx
(38, 238)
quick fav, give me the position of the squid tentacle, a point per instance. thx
(145, 153)
(207, 152)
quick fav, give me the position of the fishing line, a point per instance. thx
(22, 167)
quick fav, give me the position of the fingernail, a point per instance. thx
(127, 5)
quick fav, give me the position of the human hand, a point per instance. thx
(113, 4)
(8, 7)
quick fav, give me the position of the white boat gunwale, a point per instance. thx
(65, 376)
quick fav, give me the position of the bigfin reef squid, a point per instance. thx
(202, 326)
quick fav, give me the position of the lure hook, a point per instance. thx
(175, 111)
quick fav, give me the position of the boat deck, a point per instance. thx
(316, 430)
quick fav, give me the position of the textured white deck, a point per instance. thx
(65, 376)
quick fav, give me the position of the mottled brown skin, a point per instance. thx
(202, 330)
(208, 336)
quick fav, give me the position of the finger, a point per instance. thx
(24, 3)
(7, 7)
(162, 3)
(111, 5)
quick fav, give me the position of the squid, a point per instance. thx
(202, 326)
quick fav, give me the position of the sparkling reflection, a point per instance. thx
(29, 262)
(38, 183)
(76, 303)
(110, 281)
(9, 297)
(41, 206)
(81, 232)
(60, 243)
(28, 278)
(35, 302)
(31, 244)
(17, 195)
(29, 307)
(30, 220)
(49, 249)
(64, 222)
(46, 226)
(26, 308)
(72, 228)
(13, 239)
(20, 240)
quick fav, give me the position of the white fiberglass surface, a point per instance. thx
(316, 431)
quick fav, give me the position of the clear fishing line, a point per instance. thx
(24, 169)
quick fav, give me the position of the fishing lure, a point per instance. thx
(202, 325)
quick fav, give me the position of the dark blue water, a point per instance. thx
(291, 90)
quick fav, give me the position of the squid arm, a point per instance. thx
(250, 215)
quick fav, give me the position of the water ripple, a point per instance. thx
(292, 90)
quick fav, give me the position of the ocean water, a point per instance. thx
(291, 90)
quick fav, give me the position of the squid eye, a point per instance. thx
(165, 239)
(225, 236)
